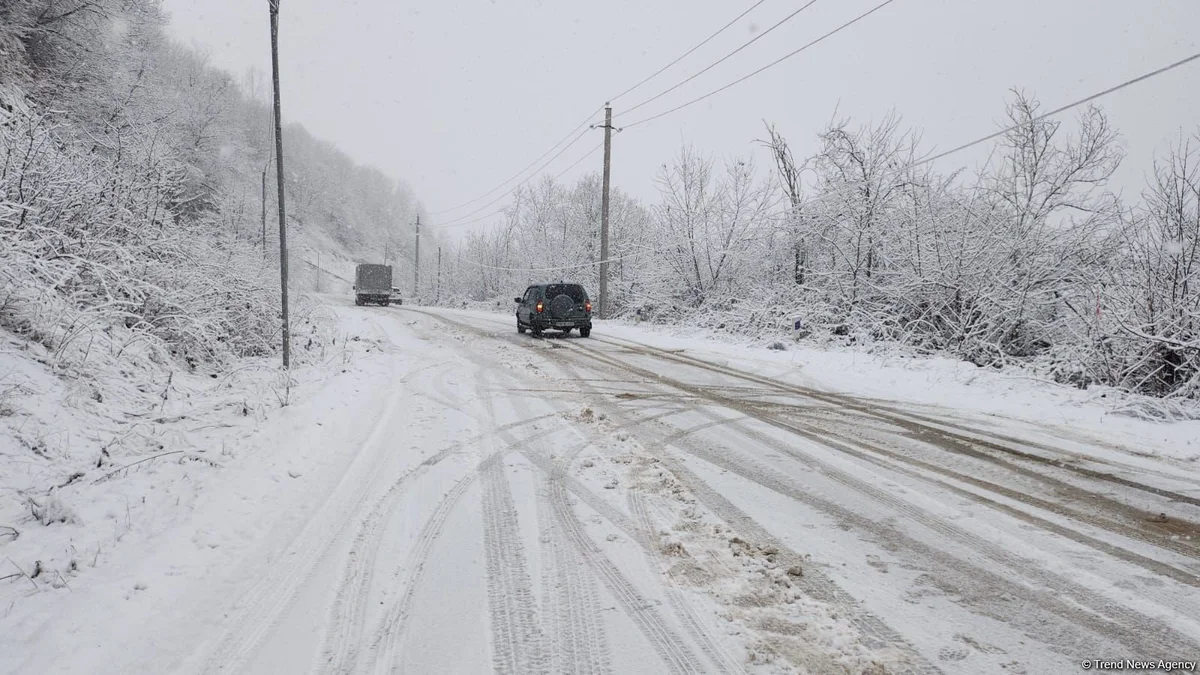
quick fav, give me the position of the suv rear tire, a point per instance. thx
(584, 332)
(520, 327)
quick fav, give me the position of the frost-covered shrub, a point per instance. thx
(90, 246)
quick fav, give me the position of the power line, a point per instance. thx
(756, 38)
(1037, 118)
(690, 51)
(619, 258)
(1064, 108)
(554, 177)
(589, 116)
(527, 167)
(926, 160)
(551, 269)
(772, 64)
(558, 154)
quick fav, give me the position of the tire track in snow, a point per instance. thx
(1025, 608)
(555, 471)
(893, 461)
(517, 635)
(518, 643)
(671, 649)
(395, 623)
(642, 530)
(517, 639)
(578, 641)
(349, 610)
(1102, 617)
(348, 613)
(344, 635)
(674, 651)
(676, 655)
(874, 633)
(267, 601)
(680, 605)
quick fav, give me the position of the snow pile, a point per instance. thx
(750, 591)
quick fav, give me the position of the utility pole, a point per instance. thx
(283, 260)
(417, 257)
(438, 295)
(604, 213)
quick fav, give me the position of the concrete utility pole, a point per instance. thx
(283, 260)
(604, 213)
(438, 294)
(417, 261)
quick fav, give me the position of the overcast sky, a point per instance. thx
(454, 96)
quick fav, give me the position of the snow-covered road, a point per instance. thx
(479, 500)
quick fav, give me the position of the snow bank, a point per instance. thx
(938, 384)
(897, 374)
(94, 451)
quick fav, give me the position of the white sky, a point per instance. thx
(454, 96)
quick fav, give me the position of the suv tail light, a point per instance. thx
(539, 307)
(588, 305)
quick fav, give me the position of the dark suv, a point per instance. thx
(558, 306)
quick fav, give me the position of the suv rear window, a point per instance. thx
(575, 291)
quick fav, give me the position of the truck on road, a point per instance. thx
(372, 284)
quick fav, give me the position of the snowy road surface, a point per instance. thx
(478, 500)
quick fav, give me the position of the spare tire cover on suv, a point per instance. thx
(561, 306)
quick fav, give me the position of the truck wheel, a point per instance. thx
(520, 327)
(357, 302)
(585, 331)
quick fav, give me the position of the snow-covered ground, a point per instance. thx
(445, 495)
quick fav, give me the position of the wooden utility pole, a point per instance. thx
(438, 294)
(604, 213)
(283, 259)
(417, 260)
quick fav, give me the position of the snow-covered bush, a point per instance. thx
(90, 246)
